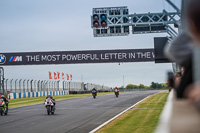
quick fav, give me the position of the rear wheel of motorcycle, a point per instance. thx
(48, 110)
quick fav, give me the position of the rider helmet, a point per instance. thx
(49, 96)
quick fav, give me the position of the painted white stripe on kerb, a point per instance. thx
(94, 130)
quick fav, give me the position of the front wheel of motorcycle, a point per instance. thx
(52, 110)
(48, 110)
(6, 111)
(1, 111)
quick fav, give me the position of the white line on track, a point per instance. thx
(94, 130)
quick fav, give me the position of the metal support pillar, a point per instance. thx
(2, 80)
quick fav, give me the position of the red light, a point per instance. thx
(96, 24)
(103, 23)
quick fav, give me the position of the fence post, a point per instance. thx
(47, 85)
(35, 85)
(31, 85)
(63, 85)
(6, 84)
(69, 85)
(58, 85)
(20, 84)
(41, 85)
(50, 85)
(16, 85)
(38, 85)
(24, 85)
(27, 84)
(11, 84)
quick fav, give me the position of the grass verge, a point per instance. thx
(36, 100)
(143, 118)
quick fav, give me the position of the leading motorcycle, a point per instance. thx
(50, 106)
(116, 93)
(94, 93)
(3, 107)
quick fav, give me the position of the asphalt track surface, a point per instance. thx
(79, 115)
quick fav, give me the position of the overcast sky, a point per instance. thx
(65, 25)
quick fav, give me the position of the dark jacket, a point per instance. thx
(187, 77)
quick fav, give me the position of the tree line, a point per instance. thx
(152, 86)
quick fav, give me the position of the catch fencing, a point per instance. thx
(30, 85)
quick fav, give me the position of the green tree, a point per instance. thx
(130, 86)
(135, 87)
(157, 85)
(153, 85)
(164, 85)
(141, 86)
(146, 87)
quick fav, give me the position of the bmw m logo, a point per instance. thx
(2, 59)
(15, 58)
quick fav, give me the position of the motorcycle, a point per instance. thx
(3, 107)
(50, 106)
(116, 93)
(94, 93)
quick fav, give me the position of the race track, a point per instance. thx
(79, 115)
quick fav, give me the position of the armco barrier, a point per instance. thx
(37, 94)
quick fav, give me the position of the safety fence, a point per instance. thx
(30, 85)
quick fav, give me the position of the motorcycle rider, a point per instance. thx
(116, 90)
(53, 100)
(94, 91)
(5, 100)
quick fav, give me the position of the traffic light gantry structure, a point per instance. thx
(116, 21)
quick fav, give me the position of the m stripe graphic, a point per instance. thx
(11, 58)
(15, 58)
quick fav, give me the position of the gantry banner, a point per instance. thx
(74, 57)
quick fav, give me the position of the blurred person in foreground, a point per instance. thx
(174, 80)
(180, 51)
(193, 24)
(193, 20)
